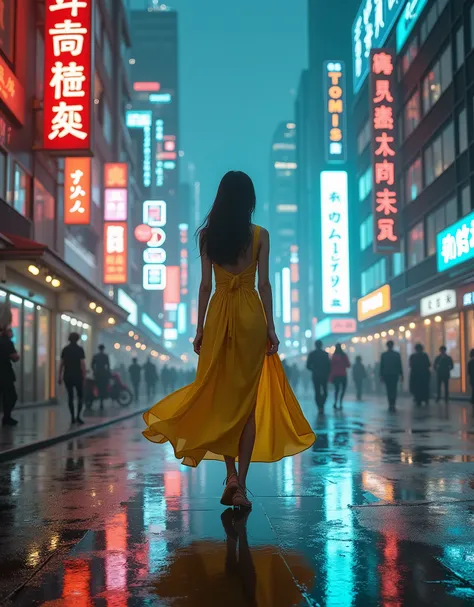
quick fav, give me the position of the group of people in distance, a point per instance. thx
(325, 370)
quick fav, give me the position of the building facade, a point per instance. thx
(420, 291)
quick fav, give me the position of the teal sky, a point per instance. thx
(240, 65)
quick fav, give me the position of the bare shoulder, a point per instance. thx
(264, 235)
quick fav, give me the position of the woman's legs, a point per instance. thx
(336, 390)
(246, 445)
(343, 388)
(230, 465)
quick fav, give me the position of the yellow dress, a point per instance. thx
(205, 419)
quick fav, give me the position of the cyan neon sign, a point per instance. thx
(455, 244)
(409, 17)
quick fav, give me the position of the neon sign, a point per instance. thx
(154, 213)
(142, 119)
(455, 244)
(407, 21)
(77, 191)
(115, 253)
(384, 151)
(334, 91)
(68, 76)
(335, 242)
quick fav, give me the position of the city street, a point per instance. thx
(379, 512)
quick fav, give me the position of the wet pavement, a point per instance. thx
(379, 512)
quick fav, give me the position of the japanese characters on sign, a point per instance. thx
(333, 326)
(67, 91)
(335, 112)
(142, 119)
(11, 92)
(374, 303)
(115, 253)
(384, 151)
(455, 244)
(154, 256)
(335, 242)
(371, 28)
(406, 23)
(468, 299)
(77, 191)
(115, 215)
(438, 302)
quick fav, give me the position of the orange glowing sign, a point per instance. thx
(68, 76)
(374, 303)
(384, 151)
(334, 90)
(115, 175)
(146, 87)
(11, 92)
(77, 191)
(115, 253)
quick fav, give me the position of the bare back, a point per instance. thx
(246, 259)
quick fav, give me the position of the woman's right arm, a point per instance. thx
(265, 289)
(205, 290)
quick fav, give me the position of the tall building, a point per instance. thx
(154, 126)
(416, 220)
(284, 230)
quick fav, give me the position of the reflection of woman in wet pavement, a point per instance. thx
(420, 375)
(241, 404)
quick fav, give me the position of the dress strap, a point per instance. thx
(256, 234)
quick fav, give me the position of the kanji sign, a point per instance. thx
(335, 242)
(11, 92)
(384, 151)
(68, 76)
(455, 244)
(115, 204)
(115, 253)
(438, 302)
(116, 175)
(374, 303)
(77, 191)
(373, 23)
(334, 87)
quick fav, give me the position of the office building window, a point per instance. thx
(437, 80)
(439, 154)
(398, 260)
(462, 131)
(363, 139)
(108, 62)
(410, 54)
(3, 174)
(365, 184)
(20, 190)
(412, 113)
(416, 245)
(367, 232)
(443, 216)
(466, 206)
(413, 181)
(107, 123)
(459, 47)
(374, 277)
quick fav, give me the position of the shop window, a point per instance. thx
(398, 260)
(413, 182)
(416, 245)
(412, 114)
(28, 356)
(462, 131)
(452, 343)
(466, 201)
(42, 356)
(459, 47)
(20, 190)
(437, 80)
(17, 321)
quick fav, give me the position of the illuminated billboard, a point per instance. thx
(334, 87)
(371, 28)
(375, 303)
(455, 244)
(142, 119)
(408, 19)
(384, 151)
(154, 213)
(115, 253)
(68, 77)
(77, 191)
(335, 242)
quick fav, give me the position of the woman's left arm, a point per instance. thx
(205, 290)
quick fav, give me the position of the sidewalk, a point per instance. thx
(41, 427)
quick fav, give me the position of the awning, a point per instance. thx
(21, 251)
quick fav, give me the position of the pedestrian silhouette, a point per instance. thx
(101, 369)
(420, 375)
(135, 372)
(339, 365)
(73, 371)
(443, 366)
(320, 366)
(391, 372)
(359, 374)
(151, 378)
(8, 394)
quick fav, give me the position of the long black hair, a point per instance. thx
(226, 233)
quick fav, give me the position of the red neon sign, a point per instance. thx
(11, 92)
(68, 76)
(384, 151)
(115, 253)
(172, 294)
(146, 87)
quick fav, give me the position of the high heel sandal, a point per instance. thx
(240, 499)
(231, 486)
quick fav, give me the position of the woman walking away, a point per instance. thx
(420, 375)
(339, 365)
(470, 372)
(241, 404)
(359, 374)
